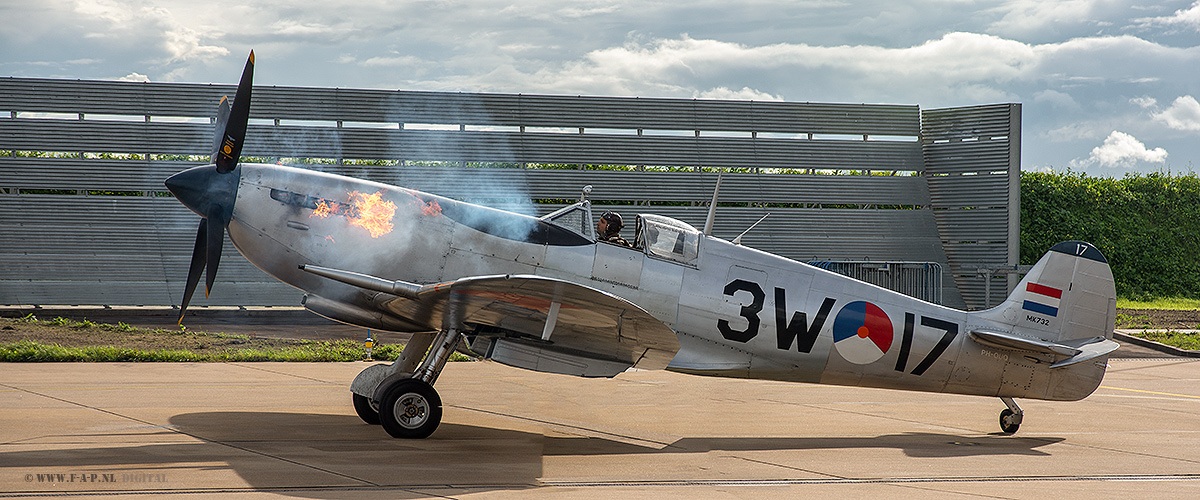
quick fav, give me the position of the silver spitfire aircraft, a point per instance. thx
(546, 294)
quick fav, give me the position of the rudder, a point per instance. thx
(1061, 314)
(1069, 294)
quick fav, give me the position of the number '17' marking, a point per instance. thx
(951, 330)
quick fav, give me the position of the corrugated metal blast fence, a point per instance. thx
(922, 280)
(85, 219)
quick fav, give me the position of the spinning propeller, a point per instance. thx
(211, 190)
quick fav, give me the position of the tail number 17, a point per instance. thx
(950, 329)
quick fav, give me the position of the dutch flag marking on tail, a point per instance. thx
(1044, 299)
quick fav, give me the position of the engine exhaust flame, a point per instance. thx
(325, 208)
(374, 213)
(432, 208)
(368, 211)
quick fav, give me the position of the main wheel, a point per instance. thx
(368, 413)
(411, 409)
(1008, 422)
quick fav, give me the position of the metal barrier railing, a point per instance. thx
(922, 280)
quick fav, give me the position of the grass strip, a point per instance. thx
(132, 344)
(1181, 340)
(1168, 303)
(26, 351)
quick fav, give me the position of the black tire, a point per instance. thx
(1006, 424)
(411, 409)
(362, 406)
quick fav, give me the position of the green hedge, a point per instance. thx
(1147, 225)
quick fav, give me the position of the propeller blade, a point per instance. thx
(235, 129)
(196, 268)
(219, 130)
(216, 237)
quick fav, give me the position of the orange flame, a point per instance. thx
(368, 211)
(432, 208)
(324, 209)
(373, 213)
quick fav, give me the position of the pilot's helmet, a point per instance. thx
(614, 221)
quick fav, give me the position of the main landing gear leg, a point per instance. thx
(400, 396)
(368, 382)
(410, 408)
(1010, 418)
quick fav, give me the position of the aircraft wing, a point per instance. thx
(530, 321)
(553, 325)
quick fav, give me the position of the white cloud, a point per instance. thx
(134, 77)
(956, 69)
(1183, 114)
(967, 63)
(291, 27)
(746, 93)
(131, 21)
(1026, 17)
(395, 61)
(1076, 64)
(579, 12)
(1188, 18)
(1055, 99)
(1144, 102)
(1121, 150)
(1076, 131)
(185, 44)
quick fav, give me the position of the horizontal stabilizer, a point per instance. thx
(1082, 350)
(1089, 351)
(1010, 341)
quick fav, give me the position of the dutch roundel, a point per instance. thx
(862, 332)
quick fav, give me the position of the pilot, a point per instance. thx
(609, 229)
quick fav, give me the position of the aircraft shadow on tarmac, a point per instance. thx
(334, 452)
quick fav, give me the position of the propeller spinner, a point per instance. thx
(210, 190)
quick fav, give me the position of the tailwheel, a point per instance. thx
(410, 409)
(1008, 423)
(366, 411)
(1010, 418)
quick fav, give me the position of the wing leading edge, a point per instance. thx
(557, 326)
(532, 322)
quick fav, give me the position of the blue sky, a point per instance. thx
(1107, 87)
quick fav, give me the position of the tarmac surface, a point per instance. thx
(288, 430)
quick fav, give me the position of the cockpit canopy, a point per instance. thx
(576, 218)
(667, 238)
(658, 236)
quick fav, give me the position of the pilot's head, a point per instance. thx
(610, 224)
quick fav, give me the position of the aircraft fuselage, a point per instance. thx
(737, 311)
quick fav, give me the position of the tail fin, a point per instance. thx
(1069, 294)
(1063, 309)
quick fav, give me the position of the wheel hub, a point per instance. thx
(412, 410)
